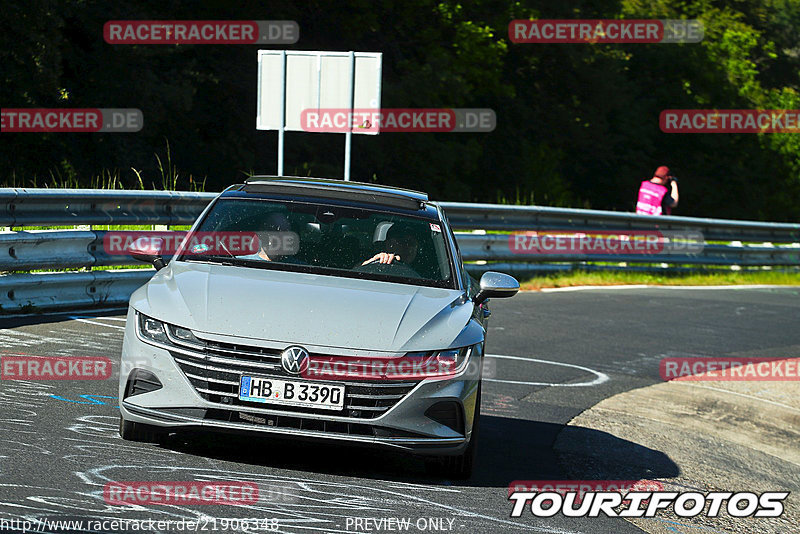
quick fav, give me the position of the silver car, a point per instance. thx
(346, 316)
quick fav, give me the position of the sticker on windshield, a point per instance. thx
(435, 227)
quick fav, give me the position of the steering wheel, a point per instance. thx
(396, 268)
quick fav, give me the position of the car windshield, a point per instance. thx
(324, 239)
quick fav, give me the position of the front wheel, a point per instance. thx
(460, 467)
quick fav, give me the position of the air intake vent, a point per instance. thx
(141, 381)
(447, 413)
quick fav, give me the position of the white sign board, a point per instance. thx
(290, 81)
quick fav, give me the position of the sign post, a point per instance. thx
(282, 104)
(291, 81)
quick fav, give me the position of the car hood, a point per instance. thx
(306, 309)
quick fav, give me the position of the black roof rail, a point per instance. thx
(336, 189)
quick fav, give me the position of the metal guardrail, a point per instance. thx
(513, 218)
(32, 293)
(59, 207)
(747, 243)
(495, 247)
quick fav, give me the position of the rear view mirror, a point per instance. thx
(496, 285)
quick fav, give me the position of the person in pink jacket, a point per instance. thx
(659, 194)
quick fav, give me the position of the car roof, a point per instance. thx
(335, 190)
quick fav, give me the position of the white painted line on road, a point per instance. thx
(346, 497)
(686, 383)
(601, 377)
(25, 339)
(651, 286)
(742, 286)
(398, 485)
(96, 323)
(585, 288)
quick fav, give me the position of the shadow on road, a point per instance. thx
(509, 449)
(45, 317)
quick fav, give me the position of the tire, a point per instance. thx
(460, 467)
(130, 431)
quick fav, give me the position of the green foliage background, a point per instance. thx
(577, 123)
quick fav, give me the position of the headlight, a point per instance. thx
(152, 329)
(166, 334)
(179, 335)
(443, 362)
(411, 366)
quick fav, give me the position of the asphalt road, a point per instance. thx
(556, 355)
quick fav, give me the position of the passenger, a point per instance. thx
(277, 225)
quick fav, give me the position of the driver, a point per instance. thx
(401, 245)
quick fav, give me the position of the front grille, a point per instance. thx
(214, 371)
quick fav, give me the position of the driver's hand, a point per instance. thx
(383, 257)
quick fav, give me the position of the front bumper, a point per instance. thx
(197, 388)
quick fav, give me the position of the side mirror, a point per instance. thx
(157, 261)
(496, 285)
(149, 253)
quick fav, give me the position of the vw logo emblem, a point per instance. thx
(294, 360)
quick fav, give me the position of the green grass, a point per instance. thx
(64, 176)
(606, 278)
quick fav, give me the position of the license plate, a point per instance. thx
(291, 393)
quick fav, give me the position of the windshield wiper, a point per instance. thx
(222, 244)
(222, 260)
